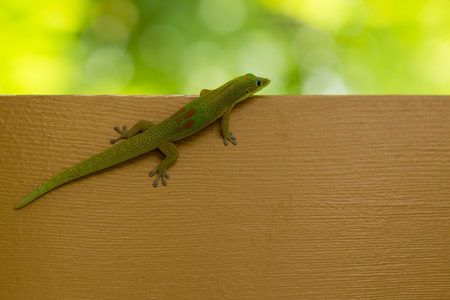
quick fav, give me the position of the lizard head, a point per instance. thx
(249, 84)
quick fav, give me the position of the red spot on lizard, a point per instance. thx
(188, 124)
(179, 111)
(189, 114)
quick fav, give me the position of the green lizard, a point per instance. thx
(146, 136)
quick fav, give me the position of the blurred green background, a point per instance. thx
(180, 47)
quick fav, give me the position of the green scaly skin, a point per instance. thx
(146, 136)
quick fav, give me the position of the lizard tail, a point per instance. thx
(110, 157)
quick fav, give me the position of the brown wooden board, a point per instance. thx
(324, 197)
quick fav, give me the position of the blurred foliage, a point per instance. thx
(180, 47)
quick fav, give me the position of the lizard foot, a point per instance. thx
(230, 137)
(161, 174)
(123, 133)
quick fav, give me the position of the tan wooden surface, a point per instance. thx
(324, 197)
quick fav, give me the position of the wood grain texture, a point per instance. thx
(323, 197)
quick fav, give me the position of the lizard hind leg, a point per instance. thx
(170, 150)
(139, 127)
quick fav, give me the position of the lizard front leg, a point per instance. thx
(227, 135)
(139, 127)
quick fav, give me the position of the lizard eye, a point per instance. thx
(258, 82)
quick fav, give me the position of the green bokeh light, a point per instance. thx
(180, 47)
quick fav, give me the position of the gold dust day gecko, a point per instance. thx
(146, 136)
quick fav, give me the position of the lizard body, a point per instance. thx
(145, 136)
